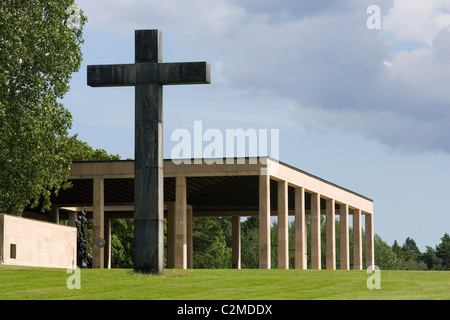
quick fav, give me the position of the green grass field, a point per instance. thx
(42, 283)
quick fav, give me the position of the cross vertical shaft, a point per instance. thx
(149, 175)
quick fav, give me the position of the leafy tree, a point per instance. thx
(443, 251)
(225, 226)
(430, 259)
(251, 223)
(385, 256)
(397, 250)
(39, 52)
(81, 151)
(410, 249)
(122, 242)
(411, 256)
(250, 243)
(412, 264)
(274, 245)
(210, 250)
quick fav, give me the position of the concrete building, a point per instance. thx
(236, 188)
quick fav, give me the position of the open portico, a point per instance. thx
(243, 187)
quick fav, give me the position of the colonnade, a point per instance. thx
(300, 230)
(180, 230)
(338, 201)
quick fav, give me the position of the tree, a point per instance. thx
(122, 242)
(385, 256)
(250, 243)
(411, 255)
(397, 250)
(410, 249)
(225, 226)
(81, 151)
(210, 249)
(443, 251)
(39, 52)
(430, 259)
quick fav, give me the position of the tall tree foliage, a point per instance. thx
(81, 151)
(39, 50)
(122, 242)
(443, 251)
(250, 243)
(210, 248)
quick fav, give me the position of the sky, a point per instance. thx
(362, 105)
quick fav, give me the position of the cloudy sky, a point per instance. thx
(368, 109)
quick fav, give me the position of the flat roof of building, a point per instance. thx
(214, 186)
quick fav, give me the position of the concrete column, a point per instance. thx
(344, 239)
(300, 229)
(98, 222)
(180, 261)
(357, 240)
(330, 235)
(189, 238)
(370, 259)
(264, 222)
(236, 242)
(170, 235)
(54, 215)
(315, 232)
(72, 218)
(283, 227)
(107, 248)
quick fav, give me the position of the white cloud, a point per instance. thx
(319, 55)
(199, 19)
(417, 20)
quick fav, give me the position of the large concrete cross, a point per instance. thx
(148, 75)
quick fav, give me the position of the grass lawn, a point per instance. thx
(108, 284)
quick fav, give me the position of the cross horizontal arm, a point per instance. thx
(146, 73)
(184, 73)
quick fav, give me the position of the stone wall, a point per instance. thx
(29, 242)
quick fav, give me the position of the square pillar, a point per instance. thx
(54, 215)
(344, 237)
(357, 240)
(370, 258)
(283, 228)
(189, 237)
(180, 256)
(300, 229)
(316, 259)
(107, 248)
(72, 218)
(236, 242)
(264, 222)
(330, 235)
(98, 222)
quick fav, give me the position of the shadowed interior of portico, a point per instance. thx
(209, 196)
